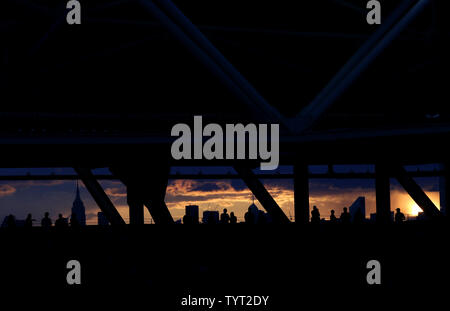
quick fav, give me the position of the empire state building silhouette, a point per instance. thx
(78, 208)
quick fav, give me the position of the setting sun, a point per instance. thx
(401, 199)
(415, 209)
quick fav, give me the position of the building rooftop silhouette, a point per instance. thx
(78, 208)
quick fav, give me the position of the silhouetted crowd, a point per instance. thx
(46, 221)
(346, 218)
(225, 218)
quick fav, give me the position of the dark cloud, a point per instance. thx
(433, 187)
(327, 185)
(91, 216)
(39, 183)
(286, 184)
(6, 190)
(206, 186)
(428, 183)
(238, 184)
(190, 198)
(116, 192)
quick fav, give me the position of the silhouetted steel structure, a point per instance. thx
(382, 103)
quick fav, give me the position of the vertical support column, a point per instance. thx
(4, 69)
(383, 194)
(136, 206)
(444, 188)
(150, 184)
(301, 193)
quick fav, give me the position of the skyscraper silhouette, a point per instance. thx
(78, 208)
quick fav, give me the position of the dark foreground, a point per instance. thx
(154, 267)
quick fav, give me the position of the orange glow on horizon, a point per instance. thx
(415, 209)
(409, 207)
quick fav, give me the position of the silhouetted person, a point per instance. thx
(74, 221)
(29, 221)
(225, 218)
(249, 218)
(233, 219)
(333, 218)
(399, 217)
(345, 216)
(11, 221)
(60, 222)
(358, 218)
(315, 215)
(46, 222)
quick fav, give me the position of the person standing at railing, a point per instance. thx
(29, 221)
(46, 222)
(233, 219)
(11, 221)
(225, 218)
(399, 217)
(315, 215)
(61, 222)
(333, 218)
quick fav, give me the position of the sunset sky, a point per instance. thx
(37, 197)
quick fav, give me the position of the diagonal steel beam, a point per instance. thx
(382, 193)
(387, 32)
(100, 197)
(260, 192)
(149, 187)
(136, 206)
(61, 18)
(192, 38)
(301, 192)
(415, 191)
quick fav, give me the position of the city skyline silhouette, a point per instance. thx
(57, 196)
